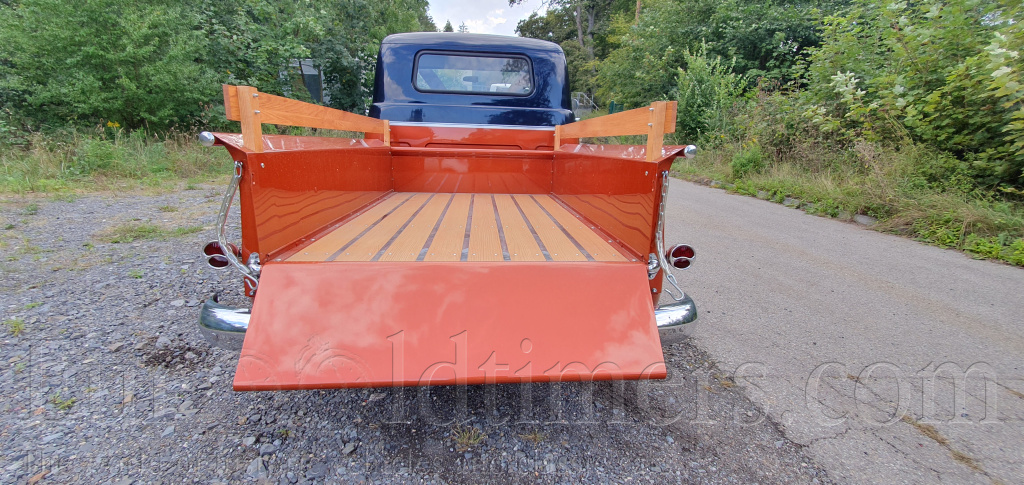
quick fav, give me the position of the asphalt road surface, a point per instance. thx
(889, 360)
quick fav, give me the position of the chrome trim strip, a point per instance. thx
(474, 126)
(673, 319)
(223, 326)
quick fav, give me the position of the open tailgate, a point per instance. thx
(374, 324)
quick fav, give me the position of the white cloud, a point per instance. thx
(484, 16)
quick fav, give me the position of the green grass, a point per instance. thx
(143, 231)
(467, 437)
(886, 184)
(135, 273)
(15, 326)
(62, 404)
(65, 161)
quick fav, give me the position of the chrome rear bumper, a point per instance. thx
(223, 326)
(673, 319)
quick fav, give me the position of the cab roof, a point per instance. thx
(471, 42)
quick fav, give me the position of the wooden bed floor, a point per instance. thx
(411, 226)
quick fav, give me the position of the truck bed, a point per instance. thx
(417, 226)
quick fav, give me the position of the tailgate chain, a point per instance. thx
(225, 208)
(659, 237)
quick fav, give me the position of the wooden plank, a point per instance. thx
(555, 241)
(408, 244)
(633, 122)
(284, 111)
(369, 244)
(451, 234)
(331, 242)
(231, 111)
(484, 242)
(521, 243)
(656, 133)
(251, 118)
(591, 241)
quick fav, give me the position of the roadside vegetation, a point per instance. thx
(109, 94)
(909, 112)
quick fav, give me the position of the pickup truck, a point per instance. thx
(467, 237)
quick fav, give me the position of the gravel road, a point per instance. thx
(109, 381)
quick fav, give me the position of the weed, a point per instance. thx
(33, 305)
(9, 226)
(167, 208)
(983, 247)
(19, 367)
(135, 273)
(132, 231)
(32, 209)
(467, 437)
(142, 231)
(185, 231)
(15, 326)
(89, 246)
(284, 433)
(535, 437)
(62, 404)
(747, 162)
(64, 197)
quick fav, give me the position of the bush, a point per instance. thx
(133, 63)
(747, 161)
(707, 90)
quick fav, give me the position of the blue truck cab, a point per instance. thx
(445, 77)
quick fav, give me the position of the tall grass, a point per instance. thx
(895, 184)
(102, 158)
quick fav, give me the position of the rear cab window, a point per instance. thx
(446, 72)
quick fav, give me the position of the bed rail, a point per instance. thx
(654, 121)
(253, 108)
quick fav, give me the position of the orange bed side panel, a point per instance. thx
(373, 324)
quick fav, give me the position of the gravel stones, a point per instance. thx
(163, 343)
(154, 404)
(257, 469)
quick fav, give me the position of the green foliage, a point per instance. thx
(129, 62)
(946, 74)
(15, 326)
(706, 92)
(156, 64)
(66, 159)
(764, 39)
(747, 161)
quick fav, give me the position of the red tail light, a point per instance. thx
(681, 256)
(214, 254)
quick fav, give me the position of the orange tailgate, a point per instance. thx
(371, 324)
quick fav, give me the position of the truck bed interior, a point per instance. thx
(420, 226)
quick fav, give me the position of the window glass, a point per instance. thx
(474, 74)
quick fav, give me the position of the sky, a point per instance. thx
(483, 16)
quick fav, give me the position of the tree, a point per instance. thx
(133, 62)
(463, 29)
(448, 26)
(942, 73)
